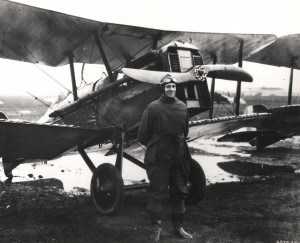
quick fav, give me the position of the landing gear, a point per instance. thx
(196, 182)
(107, 186)
(107, 189)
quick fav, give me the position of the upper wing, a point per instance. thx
(285, 52)
(217, 126)
(41, 36)
(20, 140)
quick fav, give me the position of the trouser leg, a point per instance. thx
(178, 206)
(178, 187)
(157, 192)
(178, 193)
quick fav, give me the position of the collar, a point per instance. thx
(166, 99)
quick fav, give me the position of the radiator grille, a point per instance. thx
(174, 62)
(197, 60)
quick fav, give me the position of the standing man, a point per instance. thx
(163, 129)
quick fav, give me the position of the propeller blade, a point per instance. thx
(227, 72)
(199, 73)
(154, 77)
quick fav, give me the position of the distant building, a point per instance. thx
(264, 91)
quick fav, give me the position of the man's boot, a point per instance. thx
(156, 224)
(177, 222)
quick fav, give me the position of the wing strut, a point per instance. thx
(155, 40)
(120, 148)
(104, 57)
(291, 81)
(239, 83)
(74, 88)
(212, 91)
(86, 159)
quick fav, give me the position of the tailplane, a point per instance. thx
(255, 109)
(3, 116)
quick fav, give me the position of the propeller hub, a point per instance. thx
(200, 73)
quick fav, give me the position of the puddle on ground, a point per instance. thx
(215, 158)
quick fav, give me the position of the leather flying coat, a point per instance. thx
(163, 129)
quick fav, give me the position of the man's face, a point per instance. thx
(170, 90)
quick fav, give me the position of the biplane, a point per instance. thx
(109, 110)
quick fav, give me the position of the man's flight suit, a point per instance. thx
(163, 130)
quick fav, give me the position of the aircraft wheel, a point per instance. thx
(196, 183)
(107, 189)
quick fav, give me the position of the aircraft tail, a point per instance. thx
(3, 116)
(260, 139)
(255, 109)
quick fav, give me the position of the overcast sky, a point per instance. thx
(230, 16)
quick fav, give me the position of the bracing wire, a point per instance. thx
(38, 99)
(43, 71)
(82, 78)
(83, 66)
(52, 78)
(49, 106)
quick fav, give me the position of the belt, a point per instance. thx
(174, 138)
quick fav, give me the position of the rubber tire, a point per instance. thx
(110, 201)
(196, 182)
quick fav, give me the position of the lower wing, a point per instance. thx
(24, 140)
(223, 125)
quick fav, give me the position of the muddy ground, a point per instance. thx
(260, 209)
(263, 206)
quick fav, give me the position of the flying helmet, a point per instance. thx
(167, 79)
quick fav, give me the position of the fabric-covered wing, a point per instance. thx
(41, 36)
(217, 126)
(39, 141)
(224, 47)
(284, 52)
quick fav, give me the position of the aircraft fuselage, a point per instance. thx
(123, 101)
